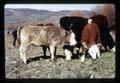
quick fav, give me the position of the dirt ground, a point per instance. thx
(42, 68)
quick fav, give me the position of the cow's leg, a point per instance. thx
(14, 41)
(68, 54)
(98, 54)
(14, 37)
(83, 52)
(52, 50)
(55, 50)
(67, 50)
(44, 50)
(22, 53)
(82, 58)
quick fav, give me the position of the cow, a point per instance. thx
(44, 35)
(90, 41)
(74, 23)
(106, 37)
(14, 33)
(77, 25)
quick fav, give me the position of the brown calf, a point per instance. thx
(90, 39)
(43, 35)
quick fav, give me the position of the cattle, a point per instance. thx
(74, 23)
(14, 33)
(90, 40)
(106, 37)
(44, 35)
(77, 25)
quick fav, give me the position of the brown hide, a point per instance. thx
(90, 34)
(43, 35)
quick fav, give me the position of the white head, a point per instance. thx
(93, 51)
(89, 21)
(72, 39)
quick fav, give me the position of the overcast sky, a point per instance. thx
(53, 7)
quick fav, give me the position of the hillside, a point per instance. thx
(32, 15)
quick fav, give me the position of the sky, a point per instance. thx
(53, 7)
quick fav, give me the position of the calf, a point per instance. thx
(49, 36)
(14, 33)
(90, 40)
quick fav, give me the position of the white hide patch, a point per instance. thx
(93, 51)
(68, 54)
(113, 49)
(89, 21)
(84, 45)
(72, 39)
(82, 58)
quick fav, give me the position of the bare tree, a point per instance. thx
(107, 10)
(76, 13)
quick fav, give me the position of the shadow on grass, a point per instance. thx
(74, 56)
(103, 51)
(43, 57)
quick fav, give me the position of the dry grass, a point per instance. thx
(104, 67)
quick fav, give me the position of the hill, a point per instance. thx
(33, 15)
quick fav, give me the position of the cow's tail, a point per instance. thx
(18, 36)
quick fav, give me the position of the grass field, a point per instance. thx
(103, 67)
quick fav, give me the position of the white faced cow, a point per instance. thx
(44, 35)
(90, 40)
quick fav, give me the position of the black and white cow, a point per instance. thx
(77, 25)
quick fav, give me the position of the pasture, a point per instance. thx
(41, 68)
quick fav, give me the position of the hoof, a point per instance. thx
(68, 59)
(52, 60)
(91, 76)
(25, 62)
(82, 59)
